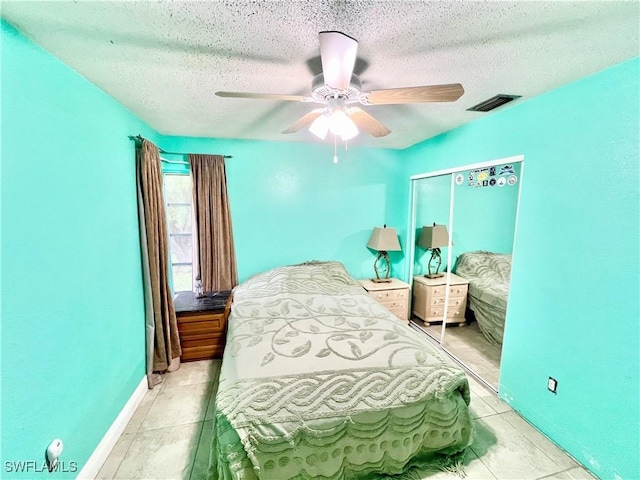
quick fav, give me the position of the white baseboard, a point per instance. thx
(102, 451)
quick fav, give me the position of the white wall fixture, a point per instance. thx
(54, 450)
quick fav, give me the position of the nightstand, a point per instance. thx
(202, 324)
(429, 298)
(393, 295)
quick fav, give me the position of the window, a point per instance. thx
(177, 190)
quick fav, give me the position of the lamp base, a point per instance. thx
(381, 280)
(435, 275)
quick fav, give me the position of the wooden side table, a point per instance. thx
(394, 296)
(202, 324)
(429, 298)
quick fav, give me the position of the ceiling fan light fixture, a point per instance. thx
(348, 135)
(336, 122)
(349, 130)
(341, 125)
(320, 127)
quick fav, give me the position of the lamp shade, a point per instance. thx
(320, 126)
(336, 122)
(434, 236)
(384, 239)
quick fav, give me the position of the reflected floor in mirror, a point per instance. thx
(469, 346)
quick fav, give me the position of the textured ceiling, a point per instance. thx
(164, 60)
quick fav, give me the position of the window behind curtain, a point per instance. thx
(177, 190)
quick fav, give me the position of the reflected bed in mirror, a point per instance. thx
(489, 275)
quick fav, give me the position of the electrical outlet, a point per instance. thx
(552, 385)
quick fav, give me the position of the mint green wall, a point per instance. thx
(573, 311)
(72, 306)
(290, 203)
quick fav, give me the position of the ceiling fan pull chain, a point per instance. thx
(335, 149)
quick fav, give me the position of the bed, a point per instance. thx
(489, 275)
(320, 381)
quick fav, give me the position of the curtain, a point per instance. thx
(162, 341)
(214, 252)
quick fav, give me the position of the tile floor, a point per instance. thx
(169, 435)
(468, 345)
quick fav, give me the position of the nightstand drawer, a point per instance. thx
(439, 291)
(457, 290)
(389, 295)
(439, 310)
(432, 312)
(202, 340)
(211, 326)
(391, 304)
(399, 309)
(201, 352)
(456, 303)
(190, 317)
(400, 312)
(453, 301)
(436, 301)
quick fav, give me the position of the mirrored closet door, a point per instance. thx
(467, 218)
(432, 204)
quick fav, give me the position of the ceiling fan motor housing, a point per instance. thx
(322, 92)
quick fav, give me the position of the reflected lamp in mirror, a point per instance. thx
(383, 240)
(433, 237)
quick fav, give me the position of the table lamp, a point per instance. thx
(432, 238)
(383, 240)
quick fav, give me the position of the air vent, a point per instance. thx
(492, 103)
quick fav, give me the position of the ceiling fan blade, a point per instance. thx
(305, 120)
(431, 93)
(263, 96)
(338, 55)
(366, 122)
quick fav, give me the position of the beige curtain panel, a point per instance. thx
(213, 247)
(163, 345)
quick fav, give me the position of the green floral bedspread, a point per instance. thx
(320, 381)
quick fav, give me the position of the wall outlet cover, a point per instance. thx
(552, 385)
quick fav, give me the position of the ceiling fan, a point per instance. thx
(340, 92)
